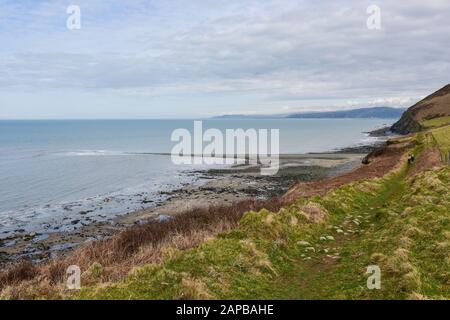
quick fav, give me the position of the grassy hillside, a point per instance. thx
(309, 247)
(317, 248)
(436, 122)
(442, 138)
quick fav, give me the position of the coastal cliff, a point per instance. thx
(436, 105)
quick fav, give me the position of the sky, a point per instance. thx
(200, 58)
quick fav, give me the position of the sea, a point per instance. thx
(53, 170)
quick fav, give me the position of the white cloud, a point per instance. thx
(277, 55)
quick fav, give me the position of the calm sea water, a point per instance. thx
(53, 170)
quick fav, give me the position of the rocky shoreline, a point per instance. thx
(222, 187)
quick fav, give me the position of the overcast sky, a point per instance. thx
(194, 58)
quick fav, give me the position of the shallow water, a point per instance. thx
(54, 171)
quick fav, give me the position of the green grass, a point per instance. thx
(436, 122)
(442, 139)
(399, 224)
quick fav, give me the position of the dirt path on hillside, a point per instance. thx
(430, 158)
(381, 161)
(322, 277)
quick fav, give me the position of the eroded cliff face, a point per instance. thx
(433, 106)
(406, 124)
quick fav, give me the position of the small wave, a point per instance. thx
(83, 153)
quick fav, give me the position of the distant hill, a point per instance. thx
(375, 112)
(434, 106)
(248, 116)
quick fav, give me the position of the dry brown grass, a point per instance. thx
(314, 212)
(116, 256)
(23, 270)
